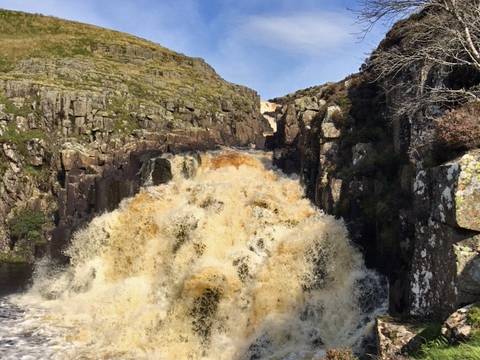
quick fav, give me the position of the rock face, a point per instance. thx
(83, 109)
(412, 207)
(445, 272)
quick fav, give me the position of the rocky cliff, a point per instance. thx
(82, 111)
(410, 198)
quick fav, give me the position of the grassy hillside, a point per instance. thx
(74, 55)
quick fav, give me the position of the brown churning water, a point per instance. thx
(230, 263)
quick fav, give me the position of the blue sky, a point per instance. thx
(272, 46)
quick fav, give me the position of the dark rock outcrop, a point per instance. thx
(412, 208)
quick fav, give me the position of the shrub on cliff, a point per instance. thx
(459, 128)
(27, 224)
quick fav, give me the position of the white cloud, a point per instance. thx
(302, 32)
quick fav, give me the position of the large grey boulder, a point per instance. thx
(445, 266)
(456, 196)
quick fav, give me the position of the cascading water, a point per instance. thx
(226, 261)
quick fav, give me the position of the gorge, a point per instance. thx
(166, 213)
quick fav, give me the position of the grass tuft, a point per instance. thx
(440, 349)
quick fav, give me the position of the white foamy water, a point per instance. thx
(230, 263)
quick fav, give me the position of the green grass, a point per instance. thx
(440, 349)
(474, 316)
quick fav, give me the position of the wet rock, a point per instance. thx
(162, 171)
(14, 277)
(336, 190)
(361, 152)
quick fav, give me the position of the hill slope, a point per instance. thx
(56, 52)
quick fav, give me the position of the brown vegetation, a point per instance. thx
(441, 36)
(459, 128)
(339, 354)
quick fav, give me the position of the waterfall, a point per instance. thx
(226, 261)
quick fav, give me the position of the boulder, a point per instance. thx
(328, 149)
(457, 327)
(307, 103)
(467, 195)
(444, 269)
(456, 192)
(11, 153)
(330, 131)
(307, 117)
(329, 128)
(395, 339)
(227, 106)
(80, 107)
